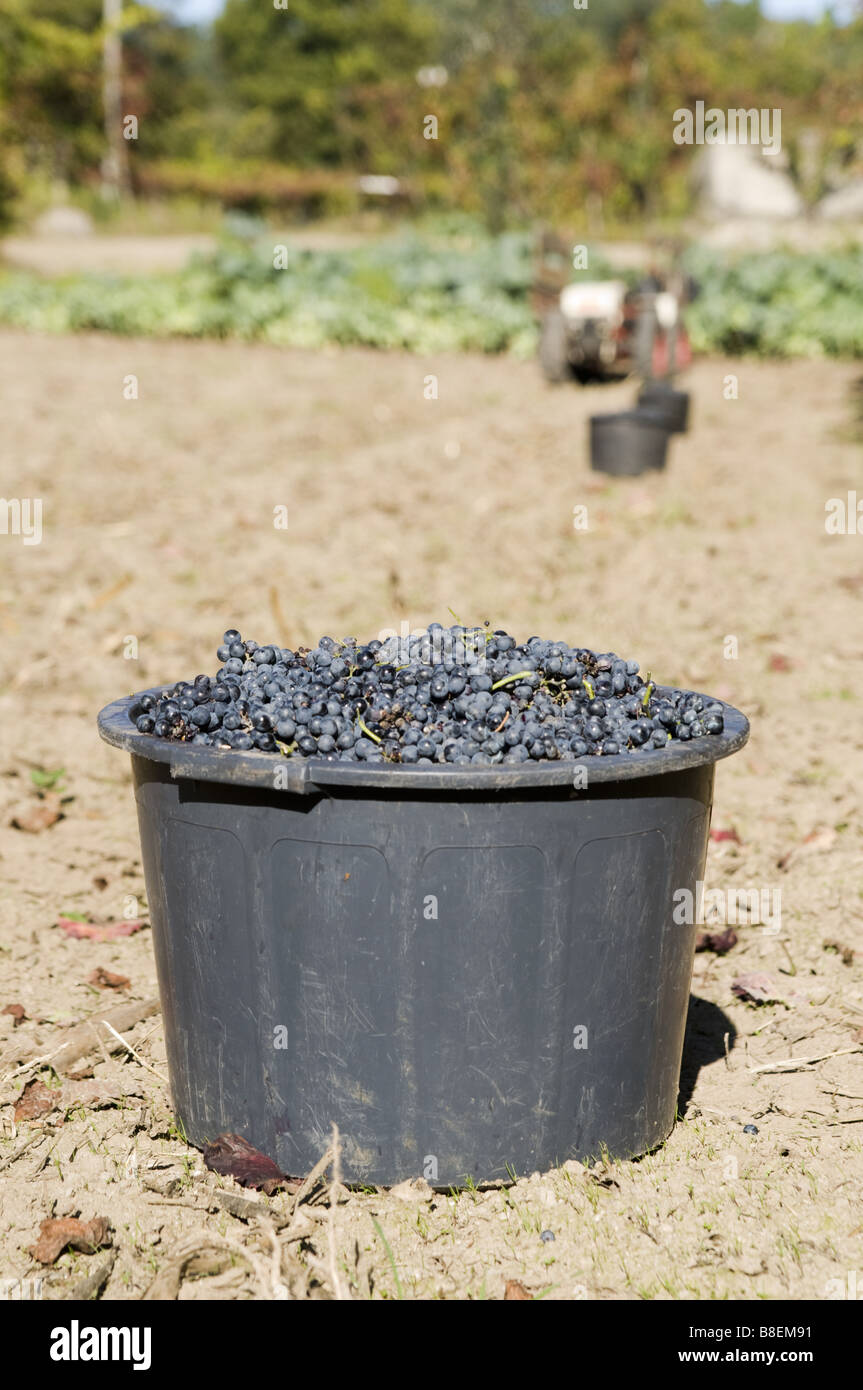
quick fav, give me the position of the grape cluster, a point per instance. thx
(445, 695)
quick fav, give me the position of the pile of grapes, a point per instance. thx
(445, 695)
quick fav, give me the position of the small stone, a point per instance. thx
(547, 1236)
(750, 1129)
(63, 222)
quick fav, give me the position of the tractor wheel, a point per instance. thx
(554, 348)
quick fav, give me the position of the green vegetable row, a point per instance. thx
(436, 294)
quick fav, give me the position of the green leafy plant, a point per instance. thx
(47, 779)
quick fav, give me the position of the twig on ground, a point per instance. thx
(166, 1285)
(782, 943)
(44, 1160)
(101, 1043)
(801, 1063)
(246, 1208)
(308, 1183)
(780, 1018)
(279, 1288)
(130, 1049)
(78, 1041)
(176, 1202)
(335, 1188)
(92, 1285)
(22, 1148)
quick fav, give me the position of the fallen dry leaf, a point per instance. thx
(778, 662)
(37, 813)
(17, 1012)
(234, 1157)
(719, 835)
(516, 1291)
(718, 942)
(55, 1234)
(36, 1100)
(105, 979)
(97, 931)
(757, 988)
(823, 837)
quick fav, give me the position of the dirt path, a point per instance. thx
(158, 527)
(119, 254)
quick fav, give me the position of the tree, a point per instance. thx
(337, 75)
(50, 64)
(509, 64)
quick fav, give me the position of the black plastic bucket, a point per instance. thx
(472, 971)
(670, 404)
(628, 442)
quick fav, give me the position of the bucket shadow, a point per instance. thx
(704, 1042)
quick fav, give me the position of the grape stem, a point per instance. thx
(508, 680)
(366, 730)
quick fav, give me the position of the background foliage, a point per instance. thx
(548, 112)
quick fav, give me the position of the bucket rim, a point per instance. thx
(650, 415)
(197, 762)
(661, 388)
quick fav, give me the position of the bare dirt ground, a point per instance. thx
(158, 526)
(118, 254)
(103, 255)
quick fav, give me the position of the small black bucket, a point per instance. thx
(628, 442)
(664, 400)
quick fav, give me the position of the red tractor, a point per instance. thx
(593, 330)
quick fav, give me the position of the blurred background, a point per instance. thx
(407, 152)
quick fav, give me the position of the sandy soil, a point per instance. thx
(113, 254)
(103, 255)
(158, 526)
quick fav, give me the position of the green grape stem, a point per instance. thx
(366, 730)
(508, 680)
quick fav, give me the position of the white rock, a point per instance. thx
(63, 222)
(738, 181)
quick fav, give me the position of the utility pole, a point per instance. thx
(115, 168)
